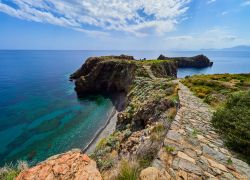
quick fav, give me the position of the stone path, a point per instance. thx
(150, 73)
(193, 150)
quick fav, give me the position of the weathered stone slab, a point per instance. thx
(175, 136)
(215, 154)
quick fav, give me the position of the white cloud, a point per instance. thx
(246, 3)
(212, 38)
(139, 17)
(224, 13)
(211, 1)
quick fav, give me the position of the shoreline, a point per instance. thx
(103, 132)
(110, 125)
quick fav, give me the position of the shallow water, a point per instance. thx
(40, 114)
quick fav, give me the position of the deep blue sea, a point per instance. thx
(40, 114)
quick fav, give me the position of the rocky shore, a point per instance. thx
(161, 130)
(110, 125)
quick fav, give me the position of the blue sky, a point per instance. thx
(124, 24)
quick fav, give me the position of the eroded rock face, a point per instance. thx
(105, 74)
(165, 69)
(199, 61)
(145, 115)
(72, 165)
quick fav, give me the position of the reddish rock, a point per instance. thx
(72, 165)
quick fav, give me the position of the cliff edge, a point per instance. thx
(109, 74)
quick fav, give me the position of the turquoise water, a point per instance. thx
(40, 114)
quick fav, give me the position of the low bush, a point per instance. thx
(10, 171)
(158, 132)
(102, 153)
(233, 122)
(128, 170)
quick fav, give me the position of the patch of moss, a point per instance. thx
(169, 149)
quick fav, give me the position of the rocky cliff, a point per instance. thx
(199, 61)
(108, 74)
(105, 74)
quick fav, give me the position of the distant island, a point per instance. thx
(235, 48)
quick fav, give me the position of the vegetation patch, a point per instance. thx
(11, 171)
(128, 170)
(104, 153)
(158, 132)
(169, 149)
(233, 122)
(216, 89)
(153, 61)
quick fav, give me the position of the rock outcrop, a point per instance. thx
(105, 74)
(109, 74)
(72, 165)
(199, 61)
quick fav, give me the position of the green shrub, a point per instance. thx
(233, 122)
(169, 149)
(10, 171)
(158, 132)
(128, 171)
(104, 164)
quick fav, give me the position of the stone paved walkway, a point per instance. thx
(193, 150)
(150, 73)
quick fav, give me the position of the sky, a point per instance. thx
(124, 24)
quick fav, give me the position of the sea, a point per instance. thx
(40, 113)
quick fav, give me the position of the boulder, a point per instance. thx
(72, 165)
(152, 173)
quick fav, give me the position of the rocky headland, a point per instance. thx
(199, 61)
(162, 131)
